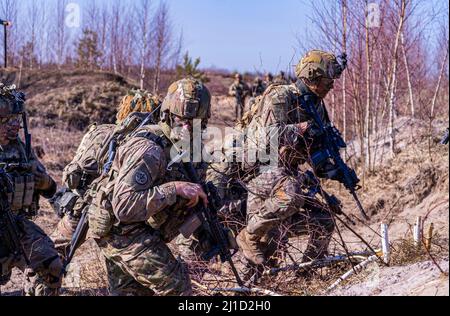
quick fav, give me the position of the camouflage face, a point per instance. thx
(188, 99)
(9, 128)
(324, 86)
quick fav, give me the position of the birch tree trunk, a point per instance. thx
(408, 77)
(344, 75)
(393, 80)
(438, 85)
(367, 120)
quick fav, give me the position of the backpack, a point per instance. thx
(85, 166)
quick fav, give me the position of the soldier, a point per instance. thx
(142, 202)
(240, 90)
(268, 80)
(42, 265)
(87, 164)
(281, 78)
(279, 195)
(258, 87)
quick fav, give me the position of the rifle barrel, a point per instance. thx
(360, 207)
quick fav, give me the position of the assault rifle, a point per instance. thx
(333, 142)
(210, 222)
(8, 226)
(444, 140)
(312, 184)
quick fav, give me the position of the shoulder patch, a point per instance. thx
(141, 177)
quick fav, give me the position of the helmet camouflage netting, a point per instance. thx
(137, 101)
(188, 99)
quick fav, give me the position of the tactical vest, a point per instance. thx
(24, 200)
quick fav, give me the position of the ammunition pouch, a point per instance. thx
(76, 178)
(23, 198)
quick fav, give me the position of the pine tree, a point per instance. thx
(87, 50)
(189, 68)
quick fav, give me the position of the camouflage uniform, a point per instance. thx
(277, 196)
(268, 80)
(43, 274)
(281, 78)
(136, 210)
(239, 89)
(258, 87)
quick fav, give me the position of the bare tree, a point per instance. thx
(162, 30)
(393, 76)
(145, 40)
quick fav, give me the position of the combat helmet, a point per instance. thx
(138, 100)
(317, 63)
(11, 101)
(187, 98)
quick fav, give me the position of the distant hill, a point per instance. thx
(75, 98)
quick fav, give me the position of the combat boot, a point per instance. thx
(251, 247)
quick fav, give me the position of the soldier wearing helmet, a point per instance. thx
(277, 195)
(30, 180)
(258, 87)
(89, 160)
(140, 205)
(239, 90)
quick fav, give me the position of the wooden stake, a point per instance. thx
(418, 232)
(385, 243)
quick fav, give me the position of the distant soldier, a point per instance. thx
(88, 162)
(258, 87)
(239, 90)
(28, 179)
(281, 78)
(268, 79)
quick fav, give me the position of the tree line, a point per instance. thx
(134, 38)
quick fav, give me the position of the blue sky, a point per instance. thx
(241, 35)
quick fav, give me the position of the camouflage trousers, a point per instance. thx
(43, 275)
(140, 263)
(276, 209)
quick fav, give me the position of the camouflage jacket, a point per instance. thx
(25, 198)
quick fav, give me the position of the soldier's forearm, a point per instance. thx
(138, 206)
